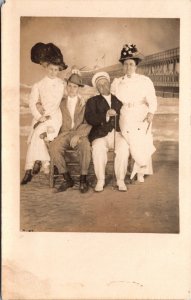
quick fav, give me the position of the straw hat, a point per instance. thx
(76, 79)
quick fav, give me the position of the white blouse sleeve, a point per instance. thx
(114, 87)
(33, 99)
(151, 96)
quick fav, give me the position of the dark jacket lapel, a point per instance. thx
(104, 103)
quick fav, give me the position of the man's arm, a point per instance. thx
(82, 131)
(40, 108)
(33, 99)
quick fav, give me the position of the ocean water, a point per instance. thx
(165, 124)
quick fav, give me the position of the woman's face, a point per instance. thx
(52, 71)
(72, 89)
(129, 67)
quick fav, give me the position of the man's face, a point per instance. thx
(52, 71)
(129, 67)
(72, 89)
(103, 86)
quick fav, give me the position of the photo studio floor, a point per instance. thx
(149, 207)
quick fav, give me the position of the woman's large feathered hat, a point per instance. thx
(130, 51)
(47, 54)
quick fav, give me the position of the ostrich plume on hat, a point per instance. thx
(44, 54)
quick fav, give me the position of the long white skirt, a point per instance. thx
(37, 149)
(139, 137)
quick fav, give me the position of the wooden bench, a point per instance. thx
(72, 161)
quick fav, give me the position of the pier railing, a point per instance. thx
(162, 68)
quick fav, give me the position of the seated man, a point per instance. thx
(73, 134)
(101, 112)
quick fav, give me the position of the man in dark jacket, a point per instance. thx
(102, 112)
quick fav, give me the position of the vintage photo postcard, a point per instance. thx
(96, 149)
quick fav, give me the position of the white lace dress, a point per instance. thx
(49, 92)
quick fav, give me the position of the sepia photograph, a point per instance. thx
(79, 171)
(96, 149)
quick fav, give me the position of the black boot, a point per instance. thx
(67, 183)
(84, 185)
(67, 177)
(56, 172)
(27, 178)
(37, 166)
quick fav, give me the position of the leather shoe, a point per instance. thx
(65, 185)
(37, 166)
(99, 186)
(56, 172)
(84, 185)
(27, 178)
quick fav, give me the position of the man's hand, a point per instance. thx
(44, 118)
(74, 141)
(149, 117)
(75, 70)
(40, 108)
(110, 113)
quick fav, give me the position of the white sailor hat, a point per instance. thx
(98, 76)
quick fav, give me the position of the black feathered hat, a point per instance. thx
(47, 54)
(130, 51)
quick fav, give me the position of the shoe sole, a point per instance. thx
(35, 173)
(25, 182)
(122, 190)
(83, 192)
(60, 191)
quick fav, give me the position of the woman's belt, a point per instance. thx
(134, 104)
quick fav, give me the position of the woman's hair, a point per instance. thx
(137, 60)
(46, 64)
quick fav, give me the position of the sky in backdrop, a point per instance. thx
(93, 42)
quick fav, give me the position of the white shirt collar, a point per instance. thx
(72, 99)
(71, 104)
(129, 77)
(108, 99)
(51, 79)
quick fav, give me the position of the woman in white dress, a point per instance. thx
(137, 94)
(44, 102)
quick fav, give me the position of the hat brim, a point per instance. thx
(61, 66)
(134, 58)
(79, 84)
(98, 76)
